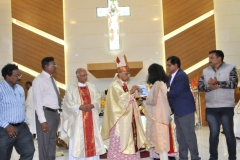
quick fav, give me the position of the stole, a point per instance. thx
(134, 128)
(172, 139)
(88, 127)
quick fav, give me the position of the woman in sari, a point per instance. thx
(157, 111)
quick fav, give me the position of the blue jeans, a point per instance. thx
(215, 117)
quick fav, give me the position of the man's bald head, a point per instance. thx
(80, 69)
(81, 74)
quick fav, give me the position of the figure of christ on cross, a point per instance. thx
(113, 12)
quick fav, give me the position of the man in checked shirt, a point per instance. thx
(219, 81)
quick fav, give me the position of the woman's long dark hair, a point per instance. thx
(156, 73)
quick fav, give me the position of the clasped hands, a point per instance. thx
(213, 83)
(86, 108)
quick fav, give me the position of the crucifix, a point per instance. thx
(112, 13)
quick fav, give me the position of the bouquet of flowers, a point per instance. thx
(103, 101)
(194, 83)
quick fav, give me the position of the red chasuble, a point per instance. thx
(88, 127)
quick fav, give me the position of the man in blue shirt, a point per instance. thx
(13, 128)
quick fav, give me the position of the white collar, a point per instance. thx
(173, 74)
(46, 74)
(123, 82)
(81, 84)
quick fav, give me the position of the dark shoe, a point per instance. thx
(213, 158)
(171, 158)
(156, 158)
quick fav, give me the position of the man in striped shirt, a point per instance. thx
(13, 128)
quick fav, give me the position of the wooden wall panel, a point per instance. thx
(203, 108)
(193, 45)
(197, 72)
(27, 77)
(237, 94)
(178, 13)
(42, 14)
(29, 49)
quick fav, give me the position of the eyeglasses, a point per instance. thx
(168, 65)
(82, 75)
(127, 74)
(52, 65)
(18, 76)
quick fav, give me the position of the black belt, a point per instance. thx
(16, 124)
(50, 109)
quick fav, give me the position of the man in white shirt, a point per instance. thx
(81, 108)
(46, 102)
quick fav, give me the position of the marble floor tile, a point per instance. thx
(203, 147)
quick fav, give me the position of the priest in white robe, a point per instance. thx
(30, 112)
(81, 108)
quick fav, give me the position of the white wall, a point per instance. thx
(5, 33)
(227, 25)
(141, 36)
(86, 41)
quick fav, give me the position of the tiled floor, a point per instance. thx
(203, 146)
